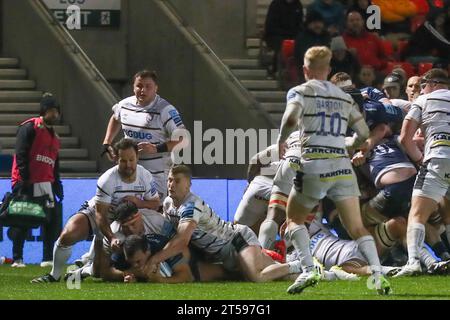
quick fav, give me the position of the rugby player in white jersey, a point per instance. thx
(282, 185)
(322, 112)
(127, 180)
(252, 208)
(150, 120)
(430, 111)
(233, 245)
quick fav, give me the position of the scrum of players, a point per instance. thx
(357, 176)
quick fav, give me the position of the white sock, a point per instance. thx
(426, 257)
(295, 267)
(415, 237)
(60, 256)
(300, 240)
(90, 254)
(366, 245)
(329, 276)
(268, 233)
(87, 270)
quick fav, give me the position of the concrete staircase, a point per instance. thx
(267, 92)
(19, 100)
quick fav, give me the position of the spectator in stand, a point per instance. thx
(284, 20)
(315, 34)
(366, 77)
(332, 12)
(361, 7)
(431, 41)
(368, 46)
(343, 60)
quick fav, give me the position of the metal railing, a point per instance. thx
(218, 64)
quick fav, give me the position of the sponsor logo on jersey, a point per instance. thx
(137, 134)
(45, 159)
(315, 240)
(343, 174)
(176, 117)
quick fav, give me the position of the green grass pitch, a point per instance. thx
(15, 284)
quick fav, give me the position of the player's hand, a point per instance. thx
(359, 159)
(135, 200)
(115, 244)
(147, 147)
(129, 278)
(109, 151)
(282, 147)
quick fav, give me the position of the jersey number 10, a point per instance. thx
(335, 124)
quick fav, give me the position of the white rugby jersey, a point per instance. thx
(211, 234)
(432, 112)
(294, 146)
(326, 111)
(269, 159)
(111, 189)
(153, 123)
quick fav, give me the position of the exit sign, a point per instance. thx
(92, 13)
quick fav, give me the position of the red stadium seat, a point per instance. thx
(424, 67)
(387, 48)
(401, 45)
(416, 22)
(287, 49)
(408, 67)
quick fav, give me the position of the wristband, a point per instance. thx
(162, 147)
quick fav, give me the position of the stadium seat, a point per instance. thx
(401, 45)
(388, 48)
(416, 22)
(287, 49)
(424, 67)
(6, 162)
(408, 67)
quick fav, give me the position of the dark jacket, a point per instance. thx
(307, 39)
(284, 19)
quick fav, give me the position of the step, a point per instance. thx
(66, 142)
(9, 63)
(78, 166)
(242, 63)
(253, 52)
(260, 84)
(276, 118)
(247, 74)
(20, 96)
(15, 118)
(17, 84)
(253, 42)
(274, 106)
(13, 73)
(72, 153)
(269, 96)
(12, 130)
(264, 2)
(20, 107)
(261, 10)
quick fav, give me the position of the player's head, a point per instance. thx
(145, 86)
(342, 80)
(126, 151)
(179, 181)
(129, 217)
(317, 63)
(413, 88)
(391, 86)
(136, 250)
(434, 79)
(49, 109)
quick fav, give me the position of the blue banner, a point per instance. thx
(222, 195)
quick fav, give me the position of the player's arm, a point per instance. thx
(289, 122)
(181, 273)
(112, 130)
(409, 128)
(357, 123)
(178, 243)
(153, 203)
(376, 135)
(101, 217)
(102, 265)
